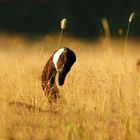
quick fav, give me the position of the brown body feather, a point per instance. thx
(48, 81)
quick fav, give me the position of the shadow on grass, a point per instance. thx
(24, 106)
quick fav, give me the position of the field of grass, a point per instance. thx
(100, 98)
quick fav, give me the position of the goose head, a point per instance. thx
(63, 60)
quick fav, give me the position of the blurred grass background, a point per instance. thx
(101, 96)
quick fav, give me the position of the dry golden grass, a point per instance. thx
(100, 97)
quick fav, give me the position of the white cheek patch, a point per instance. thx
(56, 56)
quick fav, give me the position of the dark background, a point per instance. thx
(41, 17)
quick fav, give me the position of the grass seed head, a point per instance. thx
(131, 17)
(63, 23)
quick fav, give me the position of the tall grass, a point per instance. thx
(63, 26)
(99, 99)
(126, 37)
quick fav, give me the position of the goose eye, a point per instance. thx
(63, 58)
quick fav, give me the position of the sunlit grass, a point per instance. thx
(99, 99)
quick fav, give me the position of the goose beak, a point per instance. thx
(61, 76)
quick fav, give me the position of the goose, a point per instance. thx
(59, 63)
